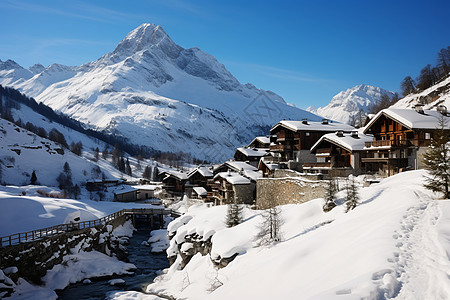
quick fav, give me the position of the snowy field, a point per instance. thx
(35, 211)
(395, 244)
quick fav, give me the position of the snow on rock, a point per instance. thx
(159, 240)
(394, 244)
(348, 103)
(80, 266)
(435, 95)
(117, 281)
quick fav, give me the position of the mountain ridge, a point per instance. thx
(152, 90)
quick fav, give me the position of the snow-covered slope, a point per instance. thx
(159, 94)
(349, 103)
(393, 245)
(431, 97)
(21, 152)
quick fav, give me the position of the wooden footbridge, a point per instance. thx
(146, 214)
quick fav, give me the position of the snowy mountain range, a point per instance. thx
(158, 94)
(347, 104)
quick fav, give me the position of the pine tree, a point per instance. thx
(234, 214)
(330, 195)
(147, 173)
(96, 154)
(352, 196)
(65, 179)
(33, 178)
(437, 160)
(407, 86)
(128, 167)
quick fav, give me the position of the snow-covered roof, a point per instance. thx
(253, 152)
(204, 171)
(262, 139)
(313, 126)
(177, 174)
(201, 191)
(238, 166)
(233, 178)
(350, 141)
(269, 165)
(410, 118)
(132, 188)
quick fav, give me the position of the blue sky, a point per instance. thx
(305, 51)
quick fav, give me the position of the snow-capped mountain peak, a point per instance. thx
(147, 36)
(346, 104)
(156, 93)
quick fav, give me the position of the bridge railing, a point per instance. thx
(29, 236)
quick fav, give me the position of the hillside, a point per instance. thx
(431, 97)
(149, 90)
(333, 255)
(22, 151)
(346, 105)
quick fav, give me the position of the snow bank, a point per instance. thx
(335, 255)
(77, 267)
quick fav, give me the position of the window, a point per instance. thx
(307, 133)
(427, 135)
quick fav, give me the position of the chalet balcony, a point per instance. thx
(322, 165)
(280, 148)
(401, 162)
(388, 144)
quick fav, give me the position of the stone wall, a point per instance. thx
(287, 190)
(33, 259)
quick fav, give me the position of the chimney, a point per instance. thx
(419, 108)
(305, 121)
(354, 134)
(442, 109)
(340, 133)
(325, 121)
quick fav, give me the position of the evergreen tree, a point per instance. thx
(234, 214)
(128, 167)
(33, 178)
(105, 152)
(76, 148)
(147, 173)
(407, 86)
(437, 160)
(352, 196)
(121, 166)
(65, 179)
(155, 173)
(330, 195)
(76, 191)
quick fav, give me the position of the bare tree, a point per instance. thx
(352, 196)
(270, 228)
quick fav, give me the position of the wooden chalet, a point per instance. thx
(200, 176)
(174, 182)
(135, 193)
(251, 155)
(401, 137)
(232, 187)
(234, 166)
(339, 154)
(294, 139)
(267, 167)
(261, 142)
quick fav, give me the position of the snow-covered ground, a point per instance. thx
(35, 211)
(395, 244)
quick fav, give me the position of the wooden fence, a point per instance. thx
(29, 236)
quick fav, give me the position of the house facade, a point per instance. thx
(401, 137)
(339, 153)
(294, 139)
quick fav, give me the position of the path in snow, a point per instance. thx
(423, 264)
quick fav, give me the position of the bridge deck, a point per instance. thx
(29, 236)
